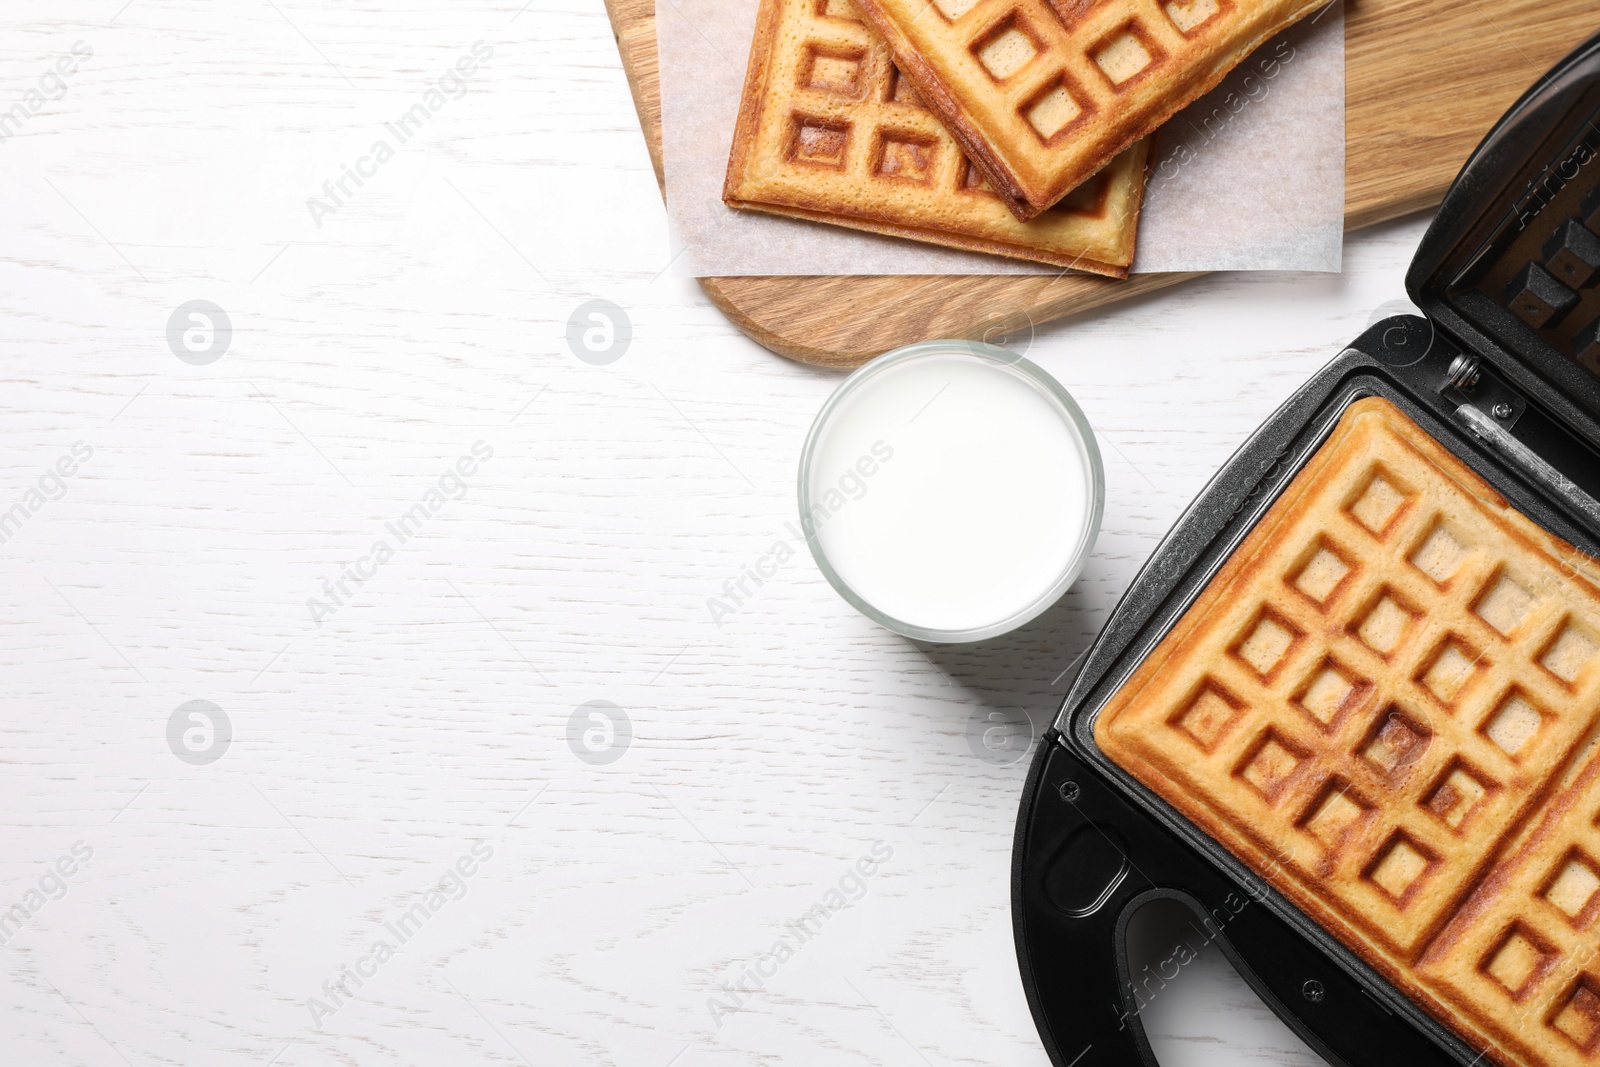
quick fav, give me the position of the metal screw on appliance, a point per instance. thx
(1069, 791)
(1502, 410)
(1312, 990)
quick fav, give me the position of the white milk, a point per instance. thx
(952, 494)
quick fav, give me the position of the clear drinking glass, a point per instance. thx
(990, 396)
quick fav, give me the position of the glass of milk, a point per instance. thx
(951, 490)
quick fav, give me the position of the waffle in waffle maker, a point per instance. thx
(1348, 712)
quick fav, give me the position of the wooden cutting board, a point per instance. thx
(1425, 79)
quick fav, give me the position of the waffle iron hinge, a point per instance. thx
(1466, 382)
(1488, 409)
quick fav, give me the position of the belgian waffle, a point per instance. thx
(829, 131)
(1042, 93)
(1386, 703)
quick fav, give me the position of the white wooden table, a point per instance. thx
(227, 878)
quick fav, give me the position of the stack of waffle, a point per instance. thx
(1014, 127)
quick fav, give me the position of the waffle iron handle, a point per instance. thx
(1075, 883)
(1086, 861)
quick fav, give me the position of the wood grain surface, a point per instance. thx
(1425, 79)
(442, 305)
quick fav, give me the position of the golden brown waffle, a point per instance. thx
(1042, 93)
(829, 131)
(1386, 704)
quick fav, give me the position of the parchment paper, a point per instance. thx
(1249, 177)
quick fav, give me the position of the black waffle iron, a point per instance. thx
(1504, 371)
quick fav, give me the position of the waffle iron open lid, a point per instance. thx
(1505, 373)
(1509, 267)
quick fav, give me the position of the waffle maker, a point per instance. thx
(1504, 372)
